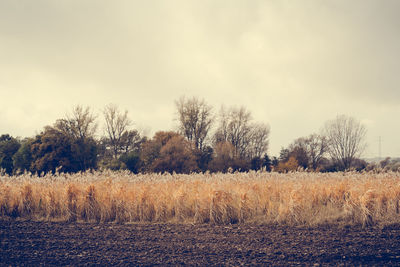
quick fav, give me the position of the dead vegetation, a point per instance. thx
(298, 198)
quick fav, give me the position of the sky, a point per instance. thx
(292, 64)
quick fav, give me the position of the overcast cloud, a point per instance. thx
(293, 64)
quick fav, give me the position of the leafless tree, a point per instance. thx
(315, 147)
(346, 139)
(80, 124)
(195, 119)
(259, 139)
(234, 127)
(116, 123)
(222, 133)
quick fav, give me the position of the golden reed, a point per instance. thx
(298, 198)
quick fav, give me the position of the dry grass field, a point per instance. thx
(300, 198)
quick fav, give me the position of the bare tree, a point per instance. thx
(234, 127)
(195, 119)
(314, 146)
(317, 146)
(80, 124)
(346, 139)
(222, 133)
(117, 123)
(259, 139)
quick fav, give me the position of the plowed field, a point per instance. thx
(52, 243)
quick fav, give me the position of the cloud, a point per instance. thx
(293, 64)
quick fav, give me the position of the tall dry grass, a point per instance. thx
(256, 197)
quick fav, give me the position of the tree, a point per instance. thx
(85, 153)
(22, 159)
(267, 163)
(385, 162)
(308, 151)
(275, 162)
(149, 153)
(8, 147)
(58, 147)
(195, 120)
(290, 165)
(162, 137)
(224, 157)
(168, 152)
(258, 140)
(284, 154)
(222, 133)
(249, 140)
(150, 149)
(204, 157)
(131, 160)
(52, 150)
(316, 147)
(296, 152)
(117, 123)
(128, 152)
(359, 164)
(256, 163)
(80, 127)
(176, 156)
(234, 127)
(346, 140)
(131, 141)
(80, 124)
(301, 156)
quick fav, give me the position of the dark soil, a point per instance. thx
(50, 243)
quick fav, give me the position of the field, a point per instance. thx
(27, 243)
(234, 218)
(306, 199)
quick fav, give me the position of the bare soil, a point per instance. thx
(59, 243)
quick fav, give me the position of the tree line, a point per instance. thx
(205, 140)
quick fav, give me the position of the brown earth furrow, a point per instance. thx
(50, 243)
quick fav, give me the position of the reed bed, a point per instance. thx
(298, 198)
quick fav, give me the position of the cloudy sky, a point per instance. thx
(293, 64)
